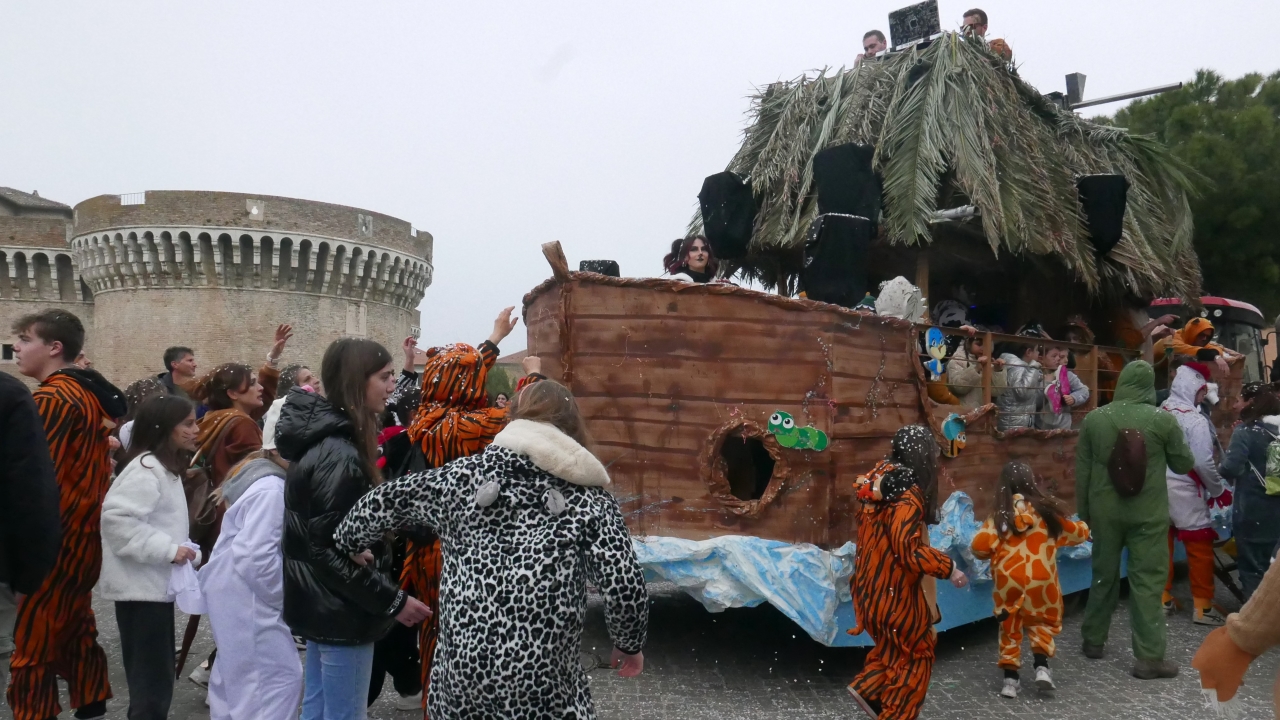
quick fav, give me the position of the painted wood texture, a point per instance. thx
(661, 369)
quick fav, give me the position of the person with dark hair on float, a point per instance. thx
(975, 25)
(691, 260)
(873, 43)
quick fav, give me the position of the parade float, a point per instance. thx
(734, 420)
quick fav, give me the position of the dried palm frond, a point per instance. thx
(953, 122)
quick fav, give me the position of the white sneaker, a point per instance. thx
(200, 675)
(1010, 689)
(1044, 680)
(409, 702)
(1210, 617)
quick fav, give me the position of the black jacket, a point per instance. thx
(30, 522)
(328, 598)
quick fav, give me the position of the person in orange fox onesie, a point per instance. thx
(1022, 539)
(56, 635)
(453, 421)
(898, 497)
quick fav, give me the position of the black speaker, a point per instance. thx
(728, 214)
(1103, 199)
(604, 267)
(835, 259)
(846, 183)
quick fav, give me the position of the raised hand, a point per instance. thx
(503, 325)
(283, 333)
(410, 347)
(531, 364)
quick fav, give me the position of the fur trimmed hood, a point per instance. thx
(553, 452)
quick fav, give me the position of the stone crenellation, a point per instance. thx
(211, 270)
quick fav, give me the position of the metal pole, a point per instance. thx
(1127, 96)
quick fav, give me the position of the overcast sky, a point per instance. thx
(496, 126)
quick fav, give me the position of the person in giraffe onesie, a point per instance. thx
(1021, 539)
(56, 635)
(453, 421)
(898, 497)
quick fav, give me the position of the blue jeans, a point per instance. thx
(337, 681)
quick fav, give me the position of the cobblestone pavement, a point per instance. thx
(754, 663)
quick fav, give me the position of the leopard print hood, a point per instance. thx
(553, 452)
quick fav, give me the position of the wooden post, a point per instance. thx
(922, 272)
(555, 256)
(986, 368)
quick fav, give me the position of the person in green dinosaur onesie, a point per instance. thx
(1139, 523)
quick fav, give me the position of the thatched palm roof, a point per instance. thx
(953, 124)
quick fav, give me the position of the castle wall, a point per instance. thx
(218, 271)
(133, 326)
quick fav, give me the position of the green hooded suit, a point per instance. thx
(1140, 523)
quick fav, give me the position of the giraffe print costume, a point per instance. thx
(1024, 566)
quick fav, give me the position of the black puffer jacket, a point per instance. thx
(328, 598)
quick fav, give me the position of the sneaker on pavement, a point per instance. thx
(869, 707)
(1044, 679)
(200, 676)
(1210, 617)
(1152, 669)
(1010, 689)
(409, 702)
(1169, 607)
(1093, 652)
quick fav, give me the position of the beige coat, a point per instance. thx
(964, 378)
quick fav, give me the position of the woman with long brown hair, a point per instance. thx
(534, 498)
(338, 602)
(237, 399)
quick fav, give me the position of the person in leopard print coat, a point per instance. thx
(524, 526)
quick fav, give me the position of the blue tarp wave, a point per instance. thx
(811, 585)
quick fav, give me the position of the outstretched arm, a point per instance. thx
(615, 571)
(904, 542)
(416, 499)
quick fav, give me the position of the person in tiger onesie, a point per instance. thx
(56, 634)
(453, 421)
(898, 497)
(1021, 539)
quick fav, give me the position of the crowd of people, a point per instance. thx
(333, 528)
(341, 526)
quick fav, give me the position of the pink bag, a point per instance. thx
(1058, 388)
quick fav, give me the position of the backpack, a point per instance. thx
(202, 507)
(1272, 481)
(1127, 464)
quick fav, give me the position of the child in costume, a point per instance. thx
(1063, 392)
(1192, 494)
(1021, 539)
(898, 497)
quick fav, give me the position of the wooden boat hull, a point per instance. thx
(665, 371)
